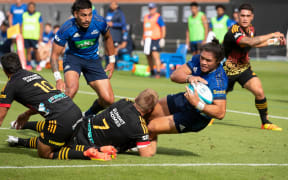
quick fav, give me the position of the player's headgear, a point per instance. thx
(11, 63)
(146, 100)
(216, 48)
(81, 4)
(246, 7)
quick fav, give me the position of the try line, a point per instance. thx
(144, 165)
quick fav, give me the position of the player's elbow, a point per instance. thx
(220, 115)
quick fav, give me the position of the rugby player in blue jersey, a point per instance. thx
(82, 33)
(184, 112)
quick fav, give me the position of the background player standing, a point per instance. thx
(82, 35)
(237, 43)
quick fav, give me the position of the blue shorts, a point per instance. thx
(91, 68)
(186, 117)
(30, 43)
(194, 45)
(155, 45)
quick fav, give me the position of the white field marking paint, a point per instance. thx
(144, 165)
(228, 110)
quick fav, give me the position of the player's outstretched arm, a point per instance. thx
(276, 38)
(216, 110)
(23, 118)
(183, 75)
(148, 151)
(56, 52)
(109, 48)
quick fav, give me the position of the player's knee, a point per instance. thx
(259, 94)
(107, 100)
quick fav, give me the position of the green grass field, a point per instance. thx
(234, 148)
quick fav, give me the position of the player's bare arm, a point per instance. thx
(3, 112)
(183, 75)
(23, 118)
(56, 52)
(216, 110)
(147, 151)
(261, 41)
(205, 24)
(109, 47)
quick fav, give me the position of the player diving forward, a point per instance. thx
(82, 33)
(237, 43)
(121, 125)
(184, 112)
(59, 111)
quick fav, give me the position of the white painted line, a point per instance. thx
(144, 165)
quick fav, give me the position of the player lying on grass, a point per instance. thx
(184, 112)
(237, 43)
(36, 93)
(121, 125)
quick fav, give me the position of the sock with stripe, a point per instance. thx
(28, 143)
(34, 125)
(262, 108)
(68, 153)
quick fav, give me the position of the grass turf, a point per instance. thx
(236, 139)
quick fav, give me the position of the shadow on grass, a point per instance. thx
(167, 151)
(279, 100)
(236, 125)
(19, 151)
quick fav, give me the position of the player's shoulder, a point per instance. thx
(67, 26)
(98, 19)
(235, 28)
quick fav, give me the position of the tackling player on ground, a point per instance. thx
(121, 125)
(37, 94)
(82, 35)
(237, 43)
(184, 112)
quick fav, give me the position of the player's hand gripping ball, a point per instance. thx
(203, 91)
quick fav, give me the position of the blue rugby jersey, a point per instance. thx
(217, 79)
(82, 43)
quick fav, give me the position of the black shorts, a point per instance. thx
(30, 43)
(186, 117)
(241, 78)
(91, 68)
(58, 131)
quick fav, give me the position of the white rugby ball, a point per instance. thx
(203, 91)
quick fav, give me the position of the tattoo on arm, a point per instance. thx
(54, 64)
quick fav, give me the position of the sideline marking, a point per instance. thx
(144, 165)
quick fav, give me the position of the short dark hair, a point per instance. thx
(246, 7)
(220, 6)
(81, 4)
(31, 3)
(11, 63)
(194, 4)
(56, 26)
(147, 100)
(216, 48)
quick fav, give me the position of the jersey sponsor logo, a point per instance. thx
(90, 137)
(85, 43)
(94, 32)
(76, 35)
(116, 117)
(57, 98)
(219, 92)
(31, 78)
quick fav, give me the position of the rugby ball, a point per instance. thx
(203, 91)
